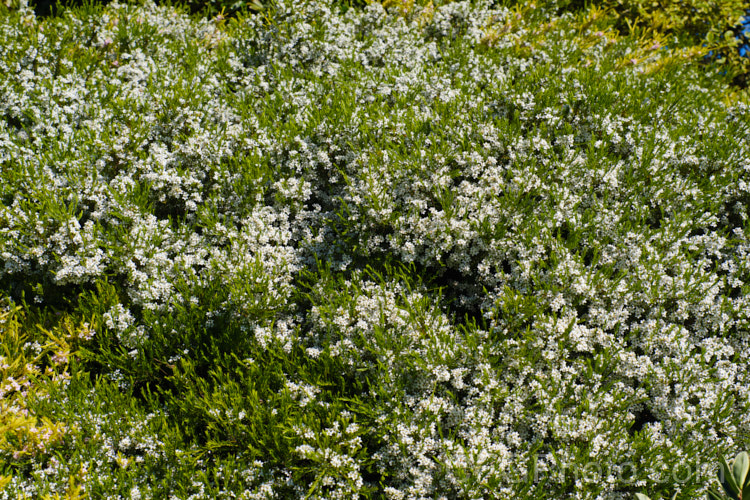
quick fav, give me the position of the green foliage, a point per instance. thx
(204, 8)
(640, 496)
(481, 242)
(221, 8)
(734, 479)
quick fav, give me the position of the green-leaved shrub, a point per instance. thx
(406, 251)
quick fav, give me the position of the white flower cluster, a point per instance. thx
(333, 450)
(585, 263)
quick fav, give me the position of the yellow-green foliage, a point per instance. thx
(692, 18)
(670, 34)
(11, 4)
(703, 25)
(33, 360)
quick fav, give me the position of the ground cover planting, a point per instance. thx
(399, 250)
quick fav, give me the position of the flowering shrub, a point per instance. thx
(440, 251)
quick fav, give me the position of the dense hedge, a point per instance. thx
(439, 251)
(714, 25)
